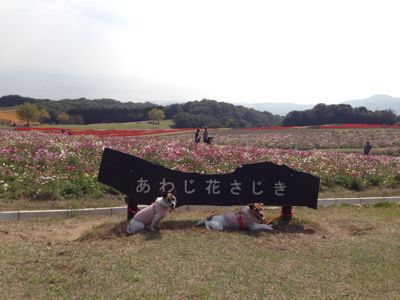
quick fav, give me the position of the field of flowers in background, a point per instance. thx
(45, 166)
(309, 138)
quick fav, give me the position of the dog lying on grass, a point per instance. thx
(250, 217)
(149, 217)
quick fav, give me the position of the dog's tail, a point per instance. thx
(201, 222)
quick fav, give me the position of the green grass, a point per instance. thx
(164, 124)
(334, 253)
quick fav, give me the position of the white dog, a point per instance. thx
(150, 216)
(248, 218)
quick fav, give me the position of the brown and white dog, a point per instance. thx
(149, 217)
(250, 217)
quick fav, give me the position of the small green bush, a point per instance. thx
(350, 182)
(374, 179)
(45, 195)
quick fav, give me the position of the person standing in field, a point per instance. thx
(367, 148)
(197, 137)
(205, 135)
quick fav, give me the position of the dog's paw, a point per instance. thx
(269, 227)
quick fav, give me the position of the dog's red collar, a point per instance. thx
(133, 211)
(239, 218)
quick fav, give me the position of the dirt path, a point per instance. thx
(49, 230)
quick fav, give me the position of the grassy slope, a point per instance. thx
(9, 114)
(164, 124)
(334, 253)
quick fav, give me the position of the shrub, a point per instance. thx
(374, 179)
(45, 195)
(351, 182)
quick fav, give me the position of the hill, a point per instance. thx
(280, 109)
(204, 113)
(377, 102)
(338, 114)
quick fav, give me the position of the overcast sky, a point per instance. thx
(236, 51)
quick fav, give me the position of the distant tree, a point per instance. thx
(231, 123)
(43, 115)
(185, 120)
(63, 117)
(172, 110)
(76, 119)
(156, 115)
(28, 112)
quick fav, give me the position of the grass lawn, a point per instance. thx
(332, 252)
(164, 124)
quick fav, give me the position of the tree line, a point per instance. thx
(339, 114)
(204, 113)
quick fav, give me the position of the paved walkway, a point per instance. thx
(121, 210)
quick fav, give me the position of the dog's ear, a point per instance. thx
(173, 192)
(165, 194)
(252, 205)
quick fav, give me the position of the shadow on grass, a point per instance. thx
(178, 224)
(292, 228)
(108, 231)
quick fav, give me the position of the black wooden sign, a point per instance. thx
(265, 182)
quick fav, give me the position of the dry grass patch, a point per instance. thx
(9, 115)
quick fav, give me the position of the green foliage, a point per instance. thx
(29, 113)
(350, 182)
(210, 113)
(218, 114)
(338, 114)
(85, 111)
(374, 179)
(78, 186)
(156, 114)
(205, 113)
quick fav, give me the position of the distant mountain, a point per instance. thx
(168, 102)
(377, 102)
(281, 109)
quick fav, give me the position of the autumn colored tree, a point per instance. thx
(28, 112)
(63, 117)
(43, 115)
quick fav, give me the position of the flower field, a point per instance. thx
(310, 138)
(43, 166)
(97, 132)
